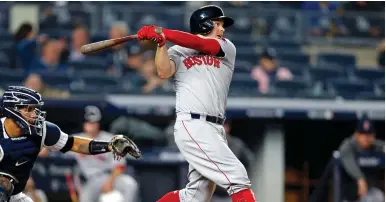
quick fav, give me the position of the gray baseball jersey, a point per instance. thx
(94, 165)
(202, 81)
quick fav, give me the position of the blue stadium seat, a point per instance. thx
(369, 96)
(243, 66)
(334, 58)
(291, 88)
(4, 60)
(249, 57)
(12, 76)
(90, 63)
(56, 80)
(99, 37)
(323, 73)
(298, 70)
(300, 58)
(370, 74)
(100, 80)
(349, 89)
(6, 46)
(5, 37)
(243, 85)
(284, 45)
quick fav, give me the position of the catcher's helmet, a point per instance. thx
(17, 97)
(201, 19)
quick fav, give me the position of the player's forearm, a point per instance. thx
(89, 146)
(204, 45)
(162, 63)
(351, 166)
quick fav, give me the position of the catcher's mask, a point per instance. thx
(23, 105)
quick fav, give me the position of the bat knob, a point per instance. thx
(158, 30)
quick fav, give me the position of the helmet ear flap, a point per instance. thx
(206, 26)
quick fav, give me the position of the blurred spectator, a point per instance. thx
(323, 19)
(34, 81)
(36, 195)
(242, 152)
(143, 63)
(25, 46)
(119, 55)
(49, 60)
(360, 184)
(80, 37)
(1, 91)
(366, 25)
(269, 71)
(134, 59)
(381, 54)
(364, 6)
(149, 72)
(105, 178)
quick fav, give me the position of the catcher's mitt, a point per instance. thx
(121, 145)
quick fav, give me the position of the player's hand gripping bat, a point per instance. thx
(101, 45)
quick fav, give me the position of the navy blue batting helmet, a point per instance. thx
(18, 97)
(201, 19)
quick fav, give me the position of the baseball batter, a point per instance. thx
(201, 65)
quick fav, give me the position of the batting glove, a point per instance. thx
(148, 33)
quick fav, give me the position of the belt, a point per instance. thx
(212, 119)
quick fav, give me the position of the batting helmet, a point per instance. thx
(201, 19)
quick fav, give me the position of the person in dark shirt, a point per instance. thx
(25, 46)
(359, 179)
(49, 60)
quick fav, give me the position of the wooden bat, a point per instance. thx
(101, 45)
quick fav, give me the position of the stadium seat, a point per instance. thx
(291, 88)
(243, 66)
(299, 58)
(5, 37)
(349, 89)
(57, 80)
(11, 77)
(298, 70)
(334, 58)
(243, 85)
(90, 63)
(370, 74)
(4, 60)
(323, 73)
(249, 57)
(284, 46)
(369, 96)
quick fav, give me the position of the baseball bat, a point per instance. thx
(101, 45)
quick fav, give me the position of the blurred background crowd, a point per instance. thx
(303, 49)
(298, 50)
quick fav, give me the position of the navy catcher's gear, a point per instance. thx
(17, 97)
(201, 19)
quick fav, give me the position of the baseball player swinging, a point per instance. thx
(24, 131)
(201, 65)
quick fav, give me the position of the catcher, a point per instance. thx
(24, 131)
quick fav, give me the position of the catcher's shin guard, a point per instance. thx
(173, 196)
(245, 195)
